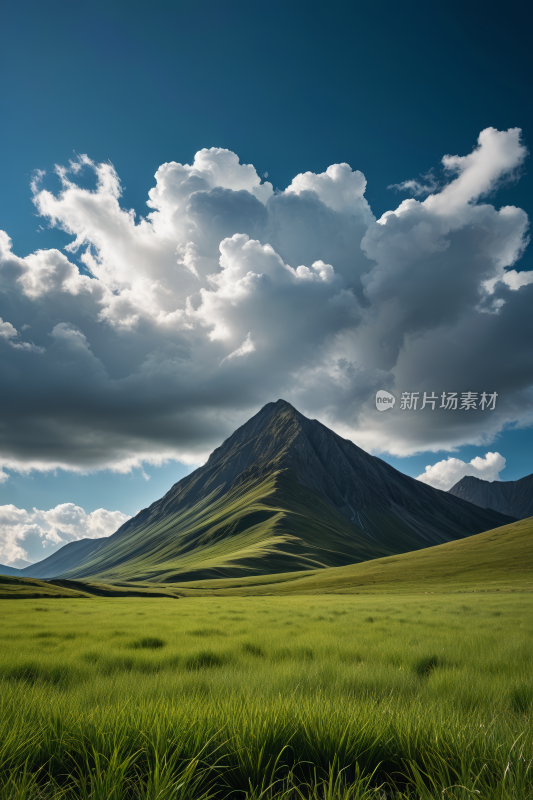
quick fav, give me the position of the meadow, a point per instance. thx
(352, 697)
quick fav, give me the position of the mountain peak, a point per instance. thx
(357, 485)
(514, 498)
(292, 491)
(279, 407)
(466, 479)
(284, 404)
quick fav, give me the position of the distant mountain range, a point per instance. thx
(514, 498)
(4, 570)
(63, 559)
(283, 493)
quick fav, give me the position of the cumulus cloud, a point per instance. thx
(439, 266)
(154, 337)
(7, 331)
(58, 526)
(338, 187)
(447, 473)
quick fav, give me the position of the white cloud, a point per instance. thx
(515, 280)
(447, 473)
(433, 261)
(338, 187)
(58, 526)
(246, 347)
(497, 156)
(211, 168)
(427, 185)
(7, 331)
(172, 329)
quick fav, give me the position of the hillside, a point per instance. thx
(508, 497)
(497, 560)
(12, 588)
(500, 560)
(283, 493)
(15, 588)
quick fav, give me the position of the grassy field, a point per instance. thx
(342, 696)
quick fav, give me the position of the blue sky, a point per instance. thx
(291, 88)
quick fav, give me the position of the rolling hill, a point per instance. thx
(15, 588)
(508, 497)
(282, 494)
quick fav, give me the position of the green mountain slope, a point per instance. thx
(261, 525)
(496, 560)
(283, 493)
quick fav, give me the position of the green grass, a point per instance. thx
(321, 696)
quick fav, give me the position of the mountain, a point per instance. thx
(66, 558)
(514, 498)
(20, 563)
(283, 493)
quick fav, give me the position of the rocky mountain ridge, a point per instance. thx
(514, 498)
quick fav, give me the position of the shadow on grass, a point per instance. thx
(148, 643)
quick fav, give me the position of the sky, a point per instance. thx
(207, 207)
